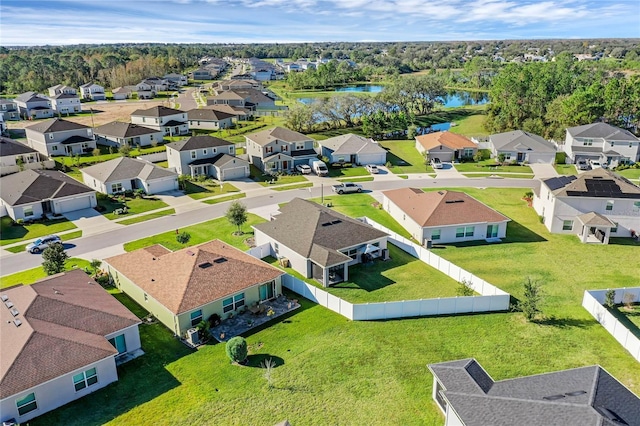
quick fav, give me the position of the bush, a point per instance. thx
(237, 349)
(532, 299)
(103, 280)
(609, 299)
(464, 288)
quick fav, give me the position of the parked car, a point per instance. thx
(436, 163)
(304, 169)
(42, 243)
(582, 165)
(319, 168)
(346, 187)
(595, 164)
(372, 168)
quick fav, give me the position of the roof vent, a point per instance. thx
(205, 265)
(576, 393)
(453, 201)
(190, 253)
(335, 222)
(14, 312)
(17, 322)
(440, 192)
(8, 304)
(326, 224)
(4, 297)
(553, 397)
(220, 260)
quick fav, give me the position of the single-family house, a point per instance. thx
(229, 97)
(184, 287)
(204, 73)
(9, 109)
(318, 242)
(522, 147)
(206, 155)
(60, 137)
(209, 119)
(15, 156)
(118, 134)
(157, 84)
(127, 174)
(121, 93)
(177, 80)
(255, 98)
(171, 122)
(32, 194)
(279, 149)
(446, 146)
(62, 339)
(239, 113)
(92, 92)
(65, 103)
(601, 142)
(444, 216)
(61, 89)
(145, 90)
(468, 396)
(353, 149)
(225, 85)
(33, 106)
(595, 205)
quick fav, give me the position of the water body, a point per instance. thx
(452, 99)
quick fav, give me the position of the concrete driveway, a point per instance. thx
(543, 171)
(448, 171)
(90, 222)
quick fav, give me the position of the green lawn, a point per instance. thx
(10, 233)
(226, 198)
(134, 205)
(337, 172)
(472, 125)
(490, 166)
(357, 179)
(200, 233)
(404, 157)
(32, 275)
(64, 237)
(208, 188)
(105, 155)
(295, 186)
(146, 217)
(358, 205)
(279, 180)
(566, 169)
(502, 175)
(630, 318)
(335, 371)
(633, 174)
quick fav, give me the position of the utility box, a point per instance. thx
(193, 337)
(428, 243)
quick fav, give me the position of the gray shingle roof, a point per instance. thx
(207, 115)
(157, 111)
(317, 232)
(123, 130)
(198, 142)
(64, 96)
(56, 125)
(602, 130)
(519, 140)
(574, 397)
(9, 147)
(31, 186)
(593, 183)
(30, 96)
(352, 144)
(277, 133)
(126, 168)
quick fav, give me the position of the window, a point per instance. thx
(144, 119)
(233, 303)
(352, 253)
(613, 143)
(636, 206)
(468, 231)
(609, 205)
(615, 228)
(116, 187)
(120, 343)
(276, 248)
(193, 155)
(231, 150)
(146, 297)
(27, 211)
(204, 152)
(27, 404)
(567, 225)
(299, 146)
(460, 232)
(196, 317)
(492, 231)
(435, 234)
(285, 148)
(150, 137)
(268, 149)
(84, 379)
(587, 142)
(85, 145)
(267, 290)
(54, 148)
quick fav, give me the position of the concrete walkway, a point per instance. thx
(448, 172)
(90, 222)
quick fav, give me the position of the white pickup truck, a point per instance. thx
(346, 187)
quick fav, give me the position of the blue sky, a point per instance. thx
(53, 22)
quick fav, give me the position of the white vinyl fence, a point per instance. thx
(153, 158)
(491, 298)
(593, 301)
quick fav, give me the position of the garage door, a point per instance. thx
(73, 204)
(544, 158)
(234, 173)
(156, 186)
(372, 158)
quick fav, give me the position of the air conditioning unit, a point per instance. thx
(193, 337)
(428, 243)
(10, 422)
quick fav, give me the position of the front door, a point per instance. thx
(521, 156)
(285, 165)
(492, 231)
(133, 184)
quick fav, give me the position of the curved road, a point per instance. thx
(12, 263)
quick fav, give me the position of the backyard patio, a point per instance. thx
(253, 316)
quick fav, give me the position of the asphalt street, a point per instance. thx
(13, 263)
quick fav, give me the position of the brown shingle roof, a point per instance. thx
(448, 139)
(64, 320)
(442, 208)
(178, 282)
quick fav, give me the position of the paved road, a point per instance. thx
(186, 100)
(114, 238)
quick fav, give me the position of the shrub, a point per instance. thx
(531, 300)
(103, 280)
(609, 299)
(54, 257)
(237, 349)
(628, 300)
(464, 288)
(19, 222)
(183, 237)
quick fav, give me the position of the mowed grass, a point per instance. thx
(502, 175)
(12, 233)
(134, 206)
(490, 166)
(338, 172)
(632, 174)
(208, 188)
(404, 157)
(236, 196)
(146, 217)
(334, 371)
(294, 186)
(30, 276)
(200, 233)
(472, 125)
(566, 169)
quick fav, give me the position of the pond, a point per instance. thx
(453, 99)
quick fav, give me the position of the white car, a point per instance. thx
(372, 168)
(304, 169)
(42, 243)
(595, 164)
(582, 165)
(436, 163)
(346, 187)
